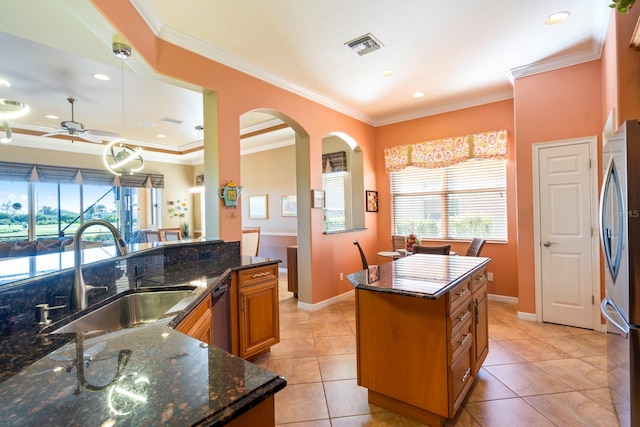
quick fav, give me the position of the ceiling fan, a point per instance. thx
(73, 128)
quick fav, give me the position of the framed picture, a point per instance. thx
(372, 201)
(288, 205)
(317, 199)
(259, 207)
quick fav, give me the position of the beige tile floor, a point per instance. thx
(535, 374)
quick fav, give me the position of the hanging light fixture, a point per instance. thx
(199, 187)
(10, 110)
(118, 157)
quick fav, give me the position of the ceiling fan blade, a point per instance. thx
(104, 133)
(58, 132)
(91, 138)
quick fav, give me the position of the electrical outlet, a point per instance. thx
(341, 277)
(490, 277)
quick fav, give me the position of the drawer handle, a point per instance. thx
(464, 340)
(266, 273)
(462, 292)
(480, 278)
(464, 316)
(465, 377)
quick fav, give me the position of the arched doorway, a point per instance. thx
(274, 171)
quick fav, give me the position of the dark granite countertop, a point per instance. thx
(420, 275)
(20, 270)
(170, 378)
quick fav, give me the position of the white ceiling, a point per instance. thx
(459, 54)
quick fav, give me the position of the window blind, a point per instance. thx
(457, 202)
(334, 211)
(10, 171)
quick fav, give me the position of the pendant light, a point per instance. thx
(199, 187)
(118, 157)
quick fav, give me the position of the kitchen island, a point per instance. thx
(150, 374)
(421, 333)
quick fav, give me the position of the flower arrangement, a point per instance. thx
(185, 229)
(409, 241)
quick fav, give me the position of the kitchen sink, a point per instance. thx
(127, 310)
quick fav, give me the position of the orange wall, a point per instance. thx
(560, 104)
(239, 93)
(498, 115)
(556, 105)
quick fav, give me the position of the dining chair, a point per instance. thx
(250, 241)
(475, 246)
(152, 236)
(170, 235)
(365, 264)
(434, 250)
(398, 242)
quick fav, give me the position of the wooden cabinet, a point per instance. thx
(292, 270)
(258, 322)
(415, 355)
(480, 319)
(198, 323)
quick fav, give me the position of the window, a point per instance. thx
(14, 210)
(334, 209)
(457, 202)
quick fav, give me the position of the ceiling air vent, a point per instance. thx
(170, 120)
(364, 44)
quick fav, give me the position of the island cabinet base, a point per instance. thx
(420, 415)
(262, 415)
(415, 354)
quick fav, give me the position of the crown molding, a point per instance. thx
(556, 63)
(178, 38)
(445, 108)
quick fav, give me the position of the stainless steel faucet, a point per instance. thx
(79, 296)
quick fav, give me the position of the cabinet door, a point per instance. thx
(259, 320)
(198, 323)
(481, 328)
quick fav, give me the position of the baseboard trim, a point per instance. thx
(529, 317)
(325, 303)
(503, 298)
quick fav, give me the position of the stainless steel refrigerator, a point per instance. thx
(620, 238)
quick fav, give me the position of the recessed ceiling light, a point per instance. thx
(418, 94)
(147, 124)
(557, 17)
(387, 73)
(100, 76)
(52, 116)
(161, 136)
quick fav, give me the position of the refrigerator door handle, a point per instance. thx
(622, 326)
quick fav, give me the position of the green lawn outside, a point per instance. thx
(50, 231)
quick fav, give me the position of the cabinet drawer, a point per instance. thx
(458, 295)
(478, 279)
(461, 317)
(461, 377)
(460, 342)
(252, 276)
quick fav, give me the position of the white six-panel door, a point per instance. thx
(565, 234)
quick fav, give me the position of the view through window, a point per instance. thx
(457, 202)
(55, 210)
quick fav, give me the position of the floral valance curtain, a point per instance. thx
(448, 151)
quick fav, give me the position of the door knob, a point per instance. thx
(548, 243)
